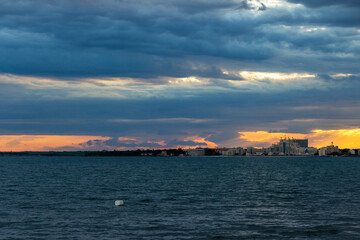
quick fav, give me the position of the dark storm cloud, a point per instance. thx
(135, 143)
(245, 4)
(151, 38)
(132, 38)
(113, 37)
(114, 142)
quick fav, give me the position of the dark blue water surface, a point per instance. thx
(179, 198)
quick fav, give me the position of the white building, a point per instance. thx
(328, 150)
(301, 151)
(233, 151)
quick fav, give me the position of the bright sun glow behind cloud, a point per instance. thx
(274, 76)
(344, 138)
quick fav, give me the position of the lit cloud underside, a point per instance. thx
(167, 87)
(18, 143)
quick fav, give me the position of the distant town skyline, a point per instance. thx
(258, 140)
(115, 74)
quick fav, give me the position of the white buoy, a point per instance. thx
(119, 203)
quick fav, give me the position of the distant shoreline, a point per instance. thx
(136, 153)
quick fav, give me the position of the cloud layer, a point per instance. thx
(170, 72)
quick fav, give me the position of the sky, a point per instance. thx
(133, 74)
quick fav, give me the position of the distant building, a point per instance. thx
(274, 150)
(329, 150)
(232, 151)
(195, 152)
(255, 151)
(304, 143)
(229, 152)
(305, 151)
(322, 151)
(311, 151)
(250, 151)
(240, 151)
(287, 146)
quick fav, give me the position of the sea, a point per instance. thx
(180, 198)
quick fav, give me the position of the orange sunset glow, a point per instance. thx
(18, 143)
(200, 140)
(344, 138)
